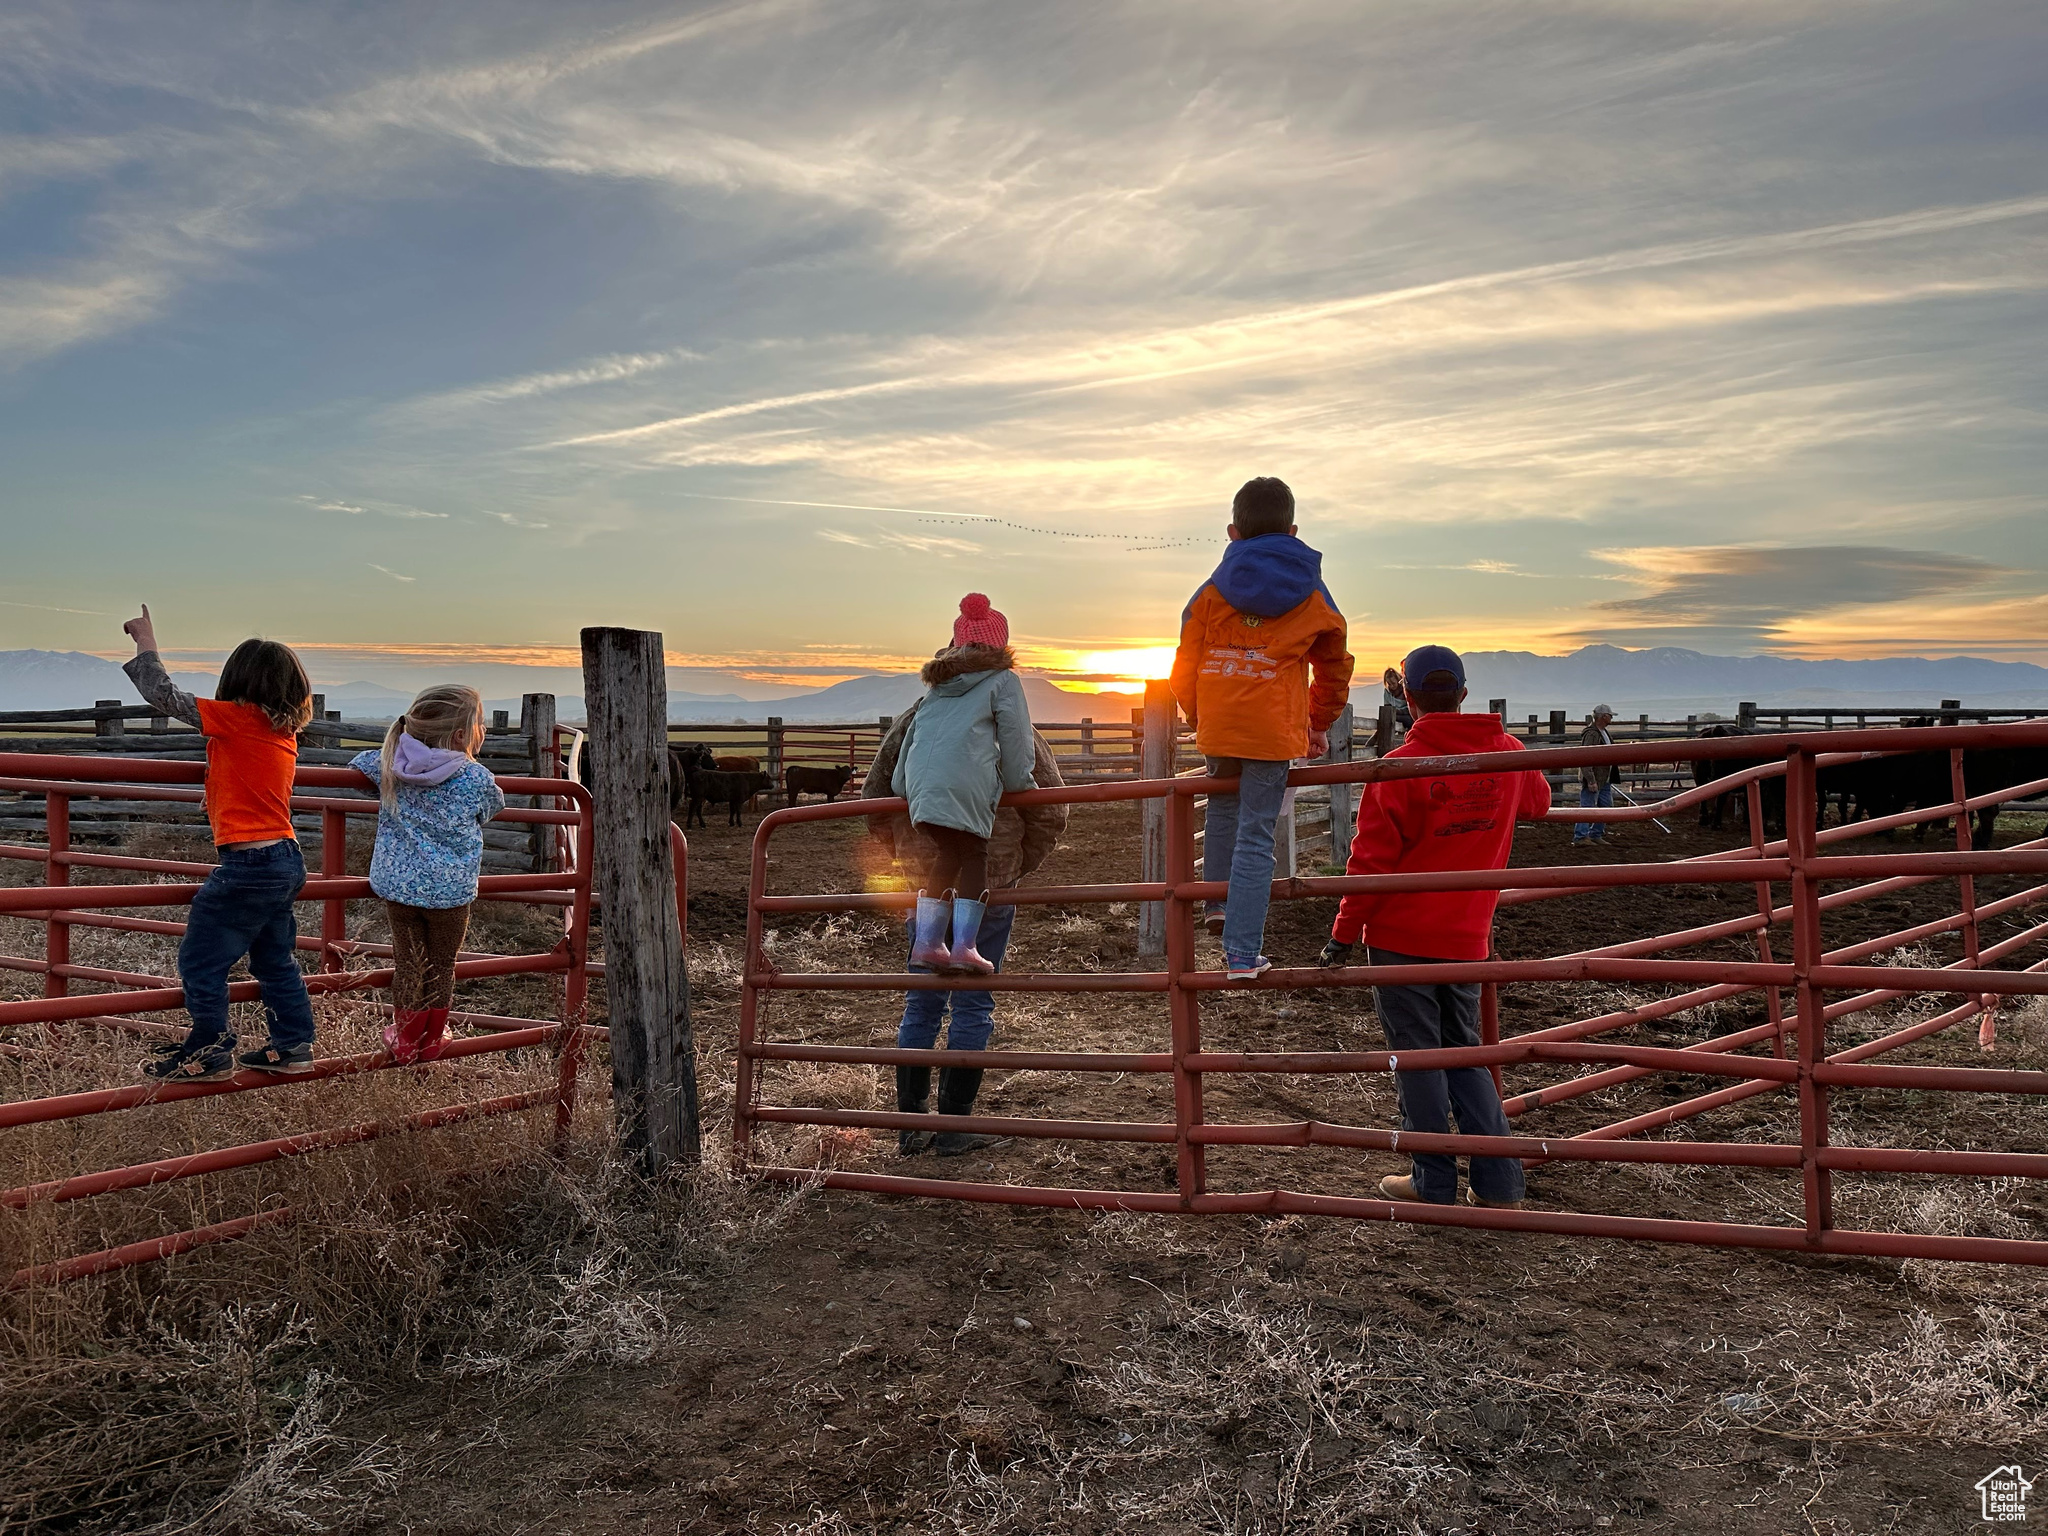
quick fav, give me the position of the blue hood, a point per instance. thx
(1269, 575)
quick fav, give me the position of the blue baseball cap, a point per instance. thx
(1419, 663)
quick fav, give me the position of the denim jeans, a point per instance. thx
(974, 1013)
(245, 908)
(1593, 830)
(1237, 845)
(1426, 1019)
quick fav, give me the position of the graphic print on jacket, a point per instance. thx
(1248, 639)
(1467, 821)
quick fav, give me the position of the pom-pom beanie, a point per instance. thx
(980, 624)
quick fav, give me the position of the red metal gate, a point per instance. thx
(1799, 1057)
(62, 906)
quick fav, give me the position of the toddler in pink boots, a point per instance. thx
(430, 850)
(969, 742)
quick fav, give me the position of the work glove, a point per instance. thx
(1335, 954)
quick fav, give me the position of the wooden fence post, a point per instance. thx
(108, 725)
(1557, 724)
(1498, 707)
(1383, 732)
(1745, 716)
(1948, 711)
(1155, 762)
(654, 1059)
(1343, 797)
(537, 725)
(773, 767)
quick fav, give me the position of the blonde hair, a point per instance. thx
(436, 718)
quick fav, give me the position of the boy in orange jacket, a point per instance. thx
(1248, 640)
(1407, 826)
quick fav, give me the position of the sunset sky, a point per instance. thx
(423, 336)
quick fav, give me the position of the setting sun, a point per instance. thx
(1123, 671)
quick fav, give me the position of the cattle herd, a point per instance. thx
(1875, 787)
(697, 778)
(1870, 787)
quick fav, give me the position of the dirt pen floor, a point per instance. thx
(572, 1352)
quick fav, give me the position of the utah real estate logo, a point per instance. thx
(2004, 1492)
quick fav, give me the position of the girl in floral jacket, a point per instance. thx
(430, 850)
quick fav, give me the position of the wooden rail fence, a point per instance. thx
(1090, 750)
(135, 730)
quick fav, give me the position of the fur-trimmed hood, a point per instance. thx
(959, 660)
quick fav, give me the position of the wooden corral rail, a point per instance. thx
(1559, 728)
(328, 741)
(1089, 750)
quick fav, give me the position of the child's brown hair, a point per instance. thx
(270, 676)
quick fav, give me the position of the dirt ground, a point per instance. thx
(889, 1365)
(802, 1361)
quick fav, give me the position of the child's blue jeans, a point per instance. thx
(974, 1013)
(245, 908)
(1428, 1019)
(1237, 845)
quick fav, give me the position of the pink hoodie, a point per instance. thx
(414, 762)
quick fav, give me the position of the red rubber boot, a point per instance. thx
(401, 1035)
(433, 1025)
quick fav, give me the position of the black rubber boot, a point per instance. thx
(913, 1086)
(958, 1089)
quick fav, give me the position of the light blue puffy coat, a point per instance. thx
(969, 742)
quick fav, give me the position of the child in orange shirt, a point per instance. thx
(251, 725)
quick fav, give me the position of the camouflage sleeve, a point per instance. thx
(147, 673)
(1043, 824)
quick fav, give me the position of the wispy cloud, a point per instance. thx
(596, 371)
(890, 539)
(1697, 277)
(377, 509)
(49, 608)
(394, 575)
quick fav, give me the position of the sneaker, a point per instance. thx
(184, 1064)
(1246, 970)
(1212, 919)
(287, 1062)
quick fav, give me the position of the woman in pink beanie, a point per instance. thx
(969, 742)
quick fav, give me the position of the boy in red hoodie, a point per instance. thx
(1407, 826)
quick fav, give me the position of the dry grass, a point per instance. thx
(468, 1254)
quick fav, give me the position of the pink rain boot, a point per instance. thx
(965, 957)
(928, 946)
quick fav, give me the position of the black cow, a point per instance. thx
(1714, 811)
(816, 781)
(683, 760)
(731, 790)
(1994, 768)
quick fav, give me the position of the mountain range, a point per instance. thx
(1664, 682)
(1668, 680)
